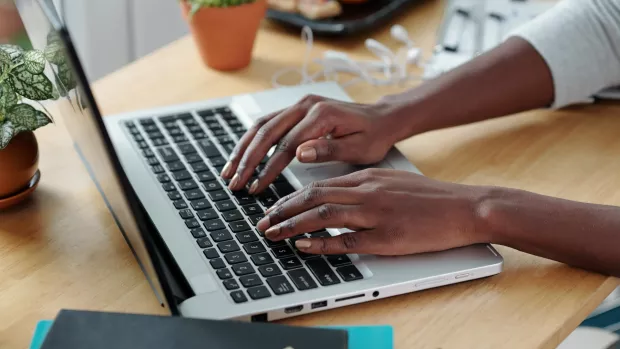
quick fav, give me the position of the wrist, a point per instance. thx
(407, 113)
(488, 204)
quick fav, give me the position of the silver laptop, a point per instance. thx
(195, 240)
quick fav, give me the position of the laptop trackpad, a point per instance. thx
(307, 173)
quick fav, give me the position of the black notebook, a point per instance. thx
(95, 330)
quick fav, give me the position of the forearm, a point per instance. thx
(578, 234)
(508, 79)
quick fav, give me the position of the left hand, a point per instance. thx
(392, 213)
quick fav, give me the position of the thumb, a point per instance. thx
(345, 149)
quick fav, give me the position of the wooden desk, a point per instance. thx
(62, 249)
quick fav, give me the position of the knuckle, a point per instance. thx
(310, 99)
(260, 122)
(263, 132)
(284, 145)
(289, 225)
(327, 212)
(310, 195)
(349, 241)
(277, 214)
(331, 148)
(325, 247)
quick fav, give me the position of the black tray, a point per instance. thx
(354, 18)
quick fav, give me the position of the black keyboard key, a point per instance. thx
(191, 158)
(302, 279)
(159, 142)
(235, 257)
(199, 166)
(217, 263)
(147, 153)
(206, 113)
(157, 169)
(174, 131)
(206, 176)
(274, 244)
(291, 263)
(198, 233)
(146, 122)
(243, 198)
(168, 187)
(138, 138)
(208, 148)
(186, 213)
(231, 284)
(212, 186)
(306, 256)
(174, 195)
(192, 223)
(243, 269)
(175, 166)
(221, 235)
(254, 247)
(152, 161)
(239, 134)
(283, 189)
(218, 195)
(321, 234)
(279, 179)
(261, 259)
(251, 280)
(217, 161)
(167, 154)
(263, 235)
(251, 209)
(229, 147)
(322, 272)
(224, 274)
(180, 204)
(219, 168)
(239, 129)
(186, 117)
(214, 224)
(238, 297)
(187, 149)
(259, 292)
(226, 205)
(194, 194)
(204, 242)
(280, 285)
(231, 216)
(239, 226)
(179, 139)
(349, 273)
(211, 253)
(168, 118)
(225, 139)
(338, 260)
(181, 175)
(188, 185)
(223, 110)
(219, 132)
(163, 178)
(246, 236)
(232, 122)
(267, 198)
(199, 135)
(228, 246)
(207, 214)
(200, 204)
(213, 125)
(154, 135)
(269, 270)
(282, 251)
(256, 218)
(194, 127)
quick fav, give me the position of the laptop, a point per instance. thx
(196, 241)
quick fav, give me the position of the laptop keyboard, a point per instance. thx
(186, 154)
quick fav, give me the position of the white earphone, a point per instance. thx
(394, 66)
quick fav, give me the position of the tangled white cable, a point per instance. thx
(392, 66)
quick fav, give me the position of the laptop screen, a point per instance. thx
(79, 113)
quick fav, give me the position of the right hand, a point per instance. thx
(316, 129)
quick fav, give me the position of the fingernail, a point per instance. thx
(272, 232)
(225, 172)
(308, 154)
(303, 244)
(263, 223)
(234, 181)
(253, 187)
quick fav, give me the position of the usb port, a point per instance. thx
(295, 309)
(317, 305)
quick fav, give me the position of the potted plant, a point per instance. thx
(23, 85)
(224, 30)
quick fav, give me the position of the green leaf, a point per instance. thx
(8, 98)
(24, 117)
(42, 119)
(7, 131)
(53, 50)
(36, 87)
(5, 62)
(66, 77)
(15, 52)
(34, 61)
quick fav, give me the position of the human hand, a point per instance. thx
(392, 213)
(316, 129)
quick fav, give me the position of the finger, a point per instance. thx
(326, 149)
(266, 137)
(309, 198)
(362, 242)
(321, 217)
(233, 160)
(319, 122)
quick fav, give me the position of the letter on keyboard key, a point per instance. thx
(208, 148)
(246, 236)
(235, 257)
(231, 216)
(199, 166)
(349, 273)
(231, 284)
(214, 224)
(338, 260)
(302, 279)
(256, 218)
(188, 185)
(322, 272)
(218, 195)
(243, 269)
(167, 154)
(204, 242)
(259, 292)
(175, 166)
(187, 149)
(212, 186)
(280, 285)
(168, 187)
(251, 209)
(180, 204)
(282, 251)
(194, 194)
(206, 176)
(174, 195)
(198, 233)
(290, 263)
(217, 263)
(254, 247)
(221, 235)
(269, 270)
(191, 158)
(224, 274)
(251, 280)
(225, 205)
(239, 226)
(192, 223)
(181, 175)
(228, 246)
(262, 258)
(200, 204)
(206, 215)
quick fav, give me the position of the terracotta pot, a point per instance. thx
(10, 22)
(225, 35)
(18, 164)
